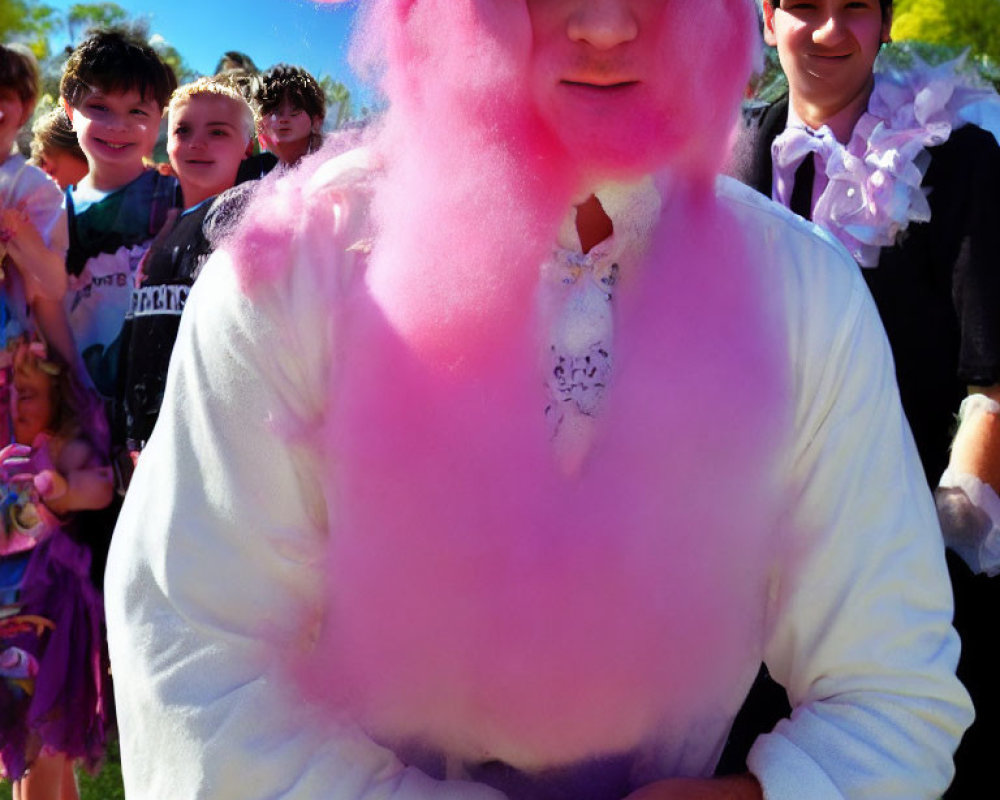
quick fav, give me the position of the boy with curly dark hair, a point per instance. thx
(290, 107)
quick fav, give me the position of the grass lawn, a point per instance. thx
(106, 785)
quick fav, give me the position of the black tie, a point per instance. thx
(802, 191)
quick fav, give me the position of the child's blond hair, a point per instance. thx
(218, 88)
(54, 132)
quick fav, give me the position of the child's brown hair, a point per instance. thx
(294, 83)
(19, 70)
(116, 60)
(75, 411)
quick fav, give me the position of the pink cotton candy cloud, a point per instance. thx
(482, 602)
(479, 600)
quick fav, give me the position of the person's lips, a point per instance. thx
(830, 57)
(600, 85)
(114, 145)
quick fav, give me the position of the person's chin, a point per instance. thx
(622, 149)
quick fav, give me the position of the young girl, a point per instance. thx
(52, 670)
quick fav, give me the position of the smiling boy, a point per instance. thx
(114, 87)
(887, 160)
(209, 134)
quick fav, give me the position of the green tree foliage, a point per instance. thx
(176, 61)
(84, 16)
(338, 101)
(29, 22)
(959, 24)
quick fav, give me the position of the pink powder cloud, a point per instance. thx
(478, 599)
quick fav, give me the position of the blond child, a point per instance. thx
(209, 135)
(55, 150)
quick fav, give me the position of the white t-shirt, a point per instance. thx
(26, 187)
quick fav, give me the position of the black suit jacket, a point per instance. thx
(938, 288)
(938, 293)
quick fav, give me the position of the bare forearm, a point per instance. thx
(43, 269)
(45, 274)
(976, 448)
(50, 317)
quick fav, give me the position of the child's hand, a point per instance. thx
(44, 271)
(15, 225)
(21, 464)
(15, 463)
(50, 485)
(10, 222)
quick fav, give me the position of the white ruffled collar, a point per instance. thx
(873, 189)
(576, 304)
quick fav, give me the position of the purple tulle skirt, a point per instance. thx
(53, 665)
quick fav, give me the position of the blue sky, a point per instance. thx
(311, 35)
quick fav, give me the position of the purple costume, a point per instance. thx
(53, 666)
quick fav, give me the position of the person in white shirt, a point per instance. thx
(497, 454)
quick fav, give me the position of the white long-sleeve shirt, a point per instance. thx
(223, 534)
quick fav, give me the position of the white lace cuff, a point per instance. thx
(977, 404)
(969, 511)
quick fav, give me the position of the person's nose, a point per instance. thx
(831, 32)
(116, 122)
(603, 24)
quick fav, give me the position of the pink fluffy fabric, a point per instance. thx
(480, 601)
(475, 186)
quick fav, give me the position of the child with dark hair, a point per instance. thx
(53, 685)
(290, 109)
(234, 60)
(116, 61)
(114, 87)
(899, 161)
(55, 149)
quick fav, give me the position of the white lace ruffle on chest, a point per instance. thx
(577, 291)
